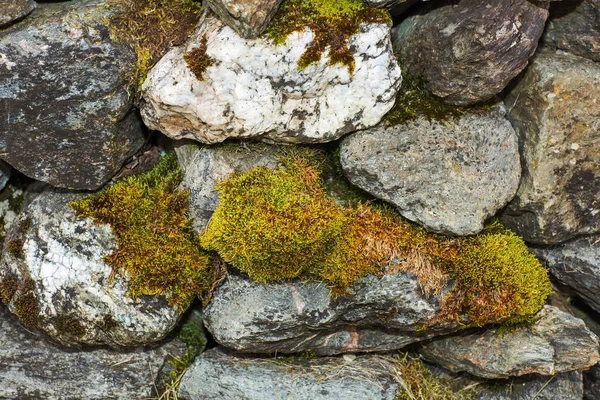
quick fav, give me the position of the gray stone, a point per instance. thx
(574, 26)
(448, 176)
(556, 342)
(33, 369)
(556, 113)
(5, 172)
(386, 3)
(577, 265)
(566, 386)
(204, 166)
(591, 383)
(53, 269)
(249, 18)
(65, 111)
(11, 202)
(254, 89)
(218, 374)
(13, 10)
(377, 314)
(468, 52)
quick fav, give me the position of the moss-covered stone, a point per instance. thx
(26, 305)
(332, 23)
(156, 250)
(17, 239)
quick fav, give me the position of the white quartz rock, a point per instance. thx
(254, 89)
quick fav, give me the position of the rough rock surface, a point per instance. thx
(218, 374)
(254, 89)
(204, 166)
(386, 3)
(249, 18)
(52, 263)
(576, 264)
(591, 383)
(555, 109)
(448, 176)
(574, 26)
(468, 52)
(65, 111)
(5, 172)
(557, 342)
(566, 386)
(11, 202)
(376, 315)
(33, 369)
(14, 9)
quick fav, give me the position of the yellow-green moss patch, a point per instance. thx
(197, 60)
(156, 249)
(150, 27)
(276, 224)
(332, 23)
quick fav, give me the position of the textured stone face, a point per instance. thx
(63, 286)
(33, 369)
(218, 374)
(591, 382)
(14, 9)
(253, 89)
(64, 104)
(249, 18)
(5, 172)
(468, 52)
(448, 176)
(555, 109)
(557, 342)
(574, 26)
(566, 386)
(576, 264)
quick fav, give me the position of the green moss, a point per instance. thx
(276, 224)
(197, 60)
(416, 382)
(8, 287)
(155, 246)
(26, 306)
(332, 23)
(150, 27)
(17, 240)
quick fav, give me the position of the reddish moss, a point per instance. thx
(26, 306)
(197, 59)
(8, 288)
(17, 240)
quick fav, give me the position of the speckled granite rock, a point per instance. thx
(218, 374)
(576, 264)
(54, 279)
(556, 113)
(65, 111)
(249, 18)
(253, 89)
(14, 9)
(448, 176)
(574, 26)
(467, 52)
(557, 342)
(33, 369)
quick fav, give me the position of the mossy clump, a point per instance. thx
(26, 305)
(332, 23)
(8, 287)
(277, 224)
(16, 242)
(70, 325)
(197, 60)
(416, 382)
(155, 249)
(150, 27)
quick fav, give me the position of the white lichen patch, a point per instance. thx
(256, 89)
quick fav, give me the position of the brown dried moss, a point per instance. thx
(197, 60)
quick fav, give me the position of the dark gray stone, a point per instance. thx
(64, 106)
(577, 265)
(574, 26)
(591, 383)
(448, 176)
(33, 369)
(249, 18)
(468, 52)
(5, 172)
(557, 342)
(567, 386)
(14, 9)
(219, 374)
(556, 113)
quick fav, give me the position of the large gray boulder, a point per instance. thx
(448, 176)
(218, 374)
(13, 10)
(254, 89)
(556, 113)
(66, 116)
(33, 369)
(575, 264)
(574, 26)
(377, 314)
(249, 18)
(54, 278)
(565, 386)
(556, 342)
(468, 52)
